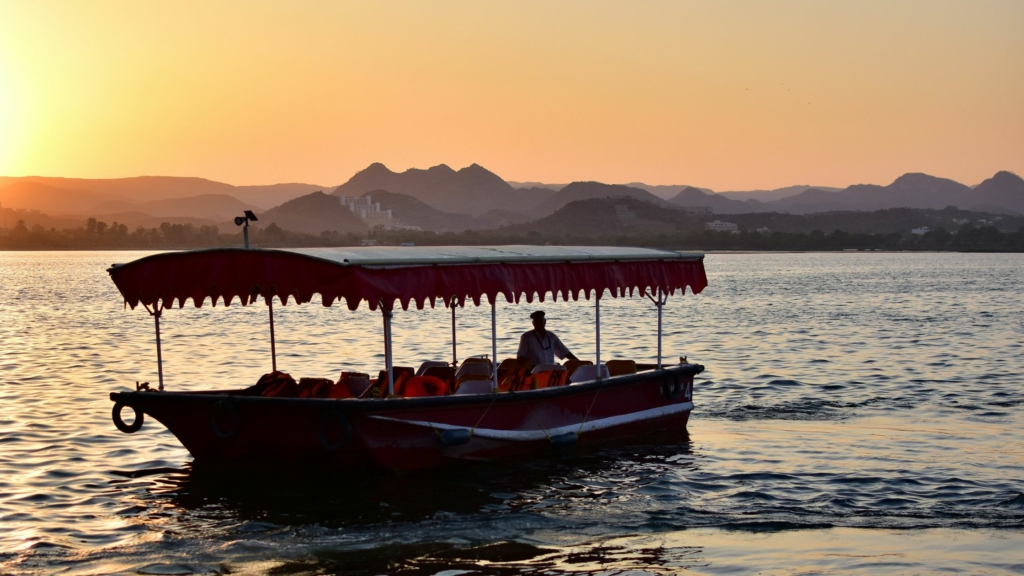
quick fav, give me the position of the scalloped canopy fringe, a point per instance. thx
(229, 275)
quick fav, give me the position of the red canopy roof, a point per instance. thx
(384, 274)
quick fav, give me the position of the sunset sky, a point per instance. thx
(728, 95)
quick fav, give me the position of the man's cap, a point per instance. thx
(538, 314)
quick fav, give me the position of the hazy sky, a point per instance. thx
(729, 95)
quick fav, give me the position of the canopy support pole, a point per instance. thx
(155, 313)
(455, 355)
(159, 353)
(273, 345)
(387, 351)
(597, 328)
(494, 345)
(659, 302)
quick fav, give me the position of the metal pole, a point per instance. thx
(387, 351)
(494, 346)
(245, 233)
(273, 347)
(597, 326)
(659, 303)
(455, 356)
(159, 355)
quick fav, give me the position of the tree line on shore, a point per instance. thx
(98, 235)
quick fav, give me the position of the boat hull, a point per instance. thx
(405, 434)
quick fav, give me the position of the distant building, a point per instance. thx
(764, 230)
(369, 242)
(624, 214)
(920, 231)
(719, 226)
(368, 211)
(696, 209)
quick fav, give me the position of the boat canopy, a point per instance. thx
(383, 275)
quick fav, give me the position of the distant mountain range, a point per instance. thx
(443, 199)
(602, 218)
(220, 207)
(591, 190)
(667, 192)
(79, 194)
(770, 195)
(1003, 193)
(473, 189)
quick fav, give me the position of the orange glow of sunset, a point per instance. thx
(729, 95)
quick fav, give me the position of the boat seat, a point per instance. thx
(281, 385)
(547, 368)
(357, 385)
(350, 385)
(379, 388)
(445, 373)
(468, 377)
(314, 387)
(621, 367)
(572, 365)
(506, 366)
(475, 368)
(474, 386)
(264, 383)
(431, 364)
(588, 373)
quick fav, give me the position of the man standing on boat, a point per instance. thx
(539, 346)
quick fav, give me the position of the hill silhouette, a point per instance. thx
(912, 190)
(473, 189)
(691, 197)
(1004, 190)
(604, 217)
(592, 190)
(412, 212)
(219, 207)
(53, 200)
(312, 214)
(774, 194)
(141, 189)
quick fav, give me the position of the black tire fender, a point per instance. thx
(333, 417)
(221, 407)
(135, 426)
(671, 385)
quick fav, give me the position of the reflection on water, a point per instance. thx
(846, 396)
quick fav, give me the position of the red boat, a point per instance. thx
(442, 412)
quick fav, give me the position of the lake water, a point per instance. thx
(859, 413)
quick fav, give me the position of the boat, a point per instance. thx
(407, 418)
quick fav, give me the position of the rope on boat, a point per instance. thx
(587, 415)
(481, 419)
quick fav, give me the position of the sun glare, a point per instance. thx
(12, 121)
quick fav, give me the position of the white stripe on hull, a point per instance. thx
(532, 435)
